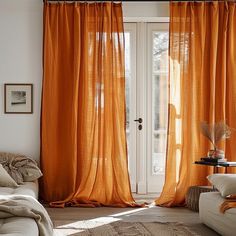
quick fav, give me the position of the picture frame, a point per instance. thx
(18, 98)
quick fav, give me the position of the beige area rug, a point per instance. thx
(91, 228)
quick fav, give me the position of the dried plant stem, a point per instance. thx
(215, 132)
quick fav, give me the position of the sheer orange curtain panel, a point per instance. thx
(202, 87)
(83, 137)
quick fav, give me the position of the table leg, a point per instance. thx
(215, 171)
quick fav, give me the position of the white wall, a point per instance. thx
(145, 9)
(21, 62)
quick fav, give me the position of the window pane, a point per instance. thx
(127, 77)
(127, 51)
(160, 51)
(127, 95)
(127, 83)
(159, 154)
(160, 101)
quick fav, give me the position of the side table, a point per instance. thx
(217, 165)
(193, 195)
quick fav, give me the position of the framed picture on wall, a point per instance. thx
(18, 98)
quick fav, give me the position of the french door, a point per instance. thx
(146, 63)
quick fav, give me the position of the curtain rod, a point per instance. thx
(140, 1)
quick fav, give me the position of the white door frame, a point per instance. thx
(131, 27)
(141, 108)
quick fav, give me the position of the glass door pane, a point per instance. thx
(159, 117)
(160, 98)
(127, 84)
(158, 109)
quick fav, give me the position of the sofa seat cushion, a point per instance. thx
(209, 212)
(18, 226)
(28, 188)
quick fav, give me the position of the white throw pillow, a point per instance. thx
(225, 183)
(5, 179)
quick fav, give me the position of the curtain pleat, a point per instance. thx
(83, 137)
(202, 87)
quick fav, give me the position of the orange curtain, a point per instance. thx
(202, 87)
(83, 139)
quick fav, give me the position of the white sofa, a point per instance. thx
(16, 226)
(20, 212)
(210, 215)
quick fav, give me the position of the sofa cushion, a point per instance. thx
(5, 179)
(28, 188)
(18, 226)
(225, 183)
(209, 213)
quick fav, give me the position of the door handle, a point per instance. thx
(140, 120)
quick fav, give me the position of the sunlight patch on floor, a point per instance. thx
(82, 225)
(129, 212)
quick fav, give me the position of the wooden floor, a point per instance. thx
(64, 220)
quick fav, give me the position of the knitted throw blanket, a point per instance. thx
(227, 204)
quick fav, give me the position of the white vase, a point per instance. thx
(216, 153)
